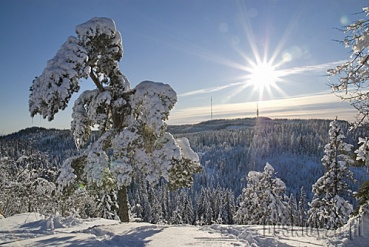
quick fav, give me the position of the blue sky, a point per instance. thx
(202, 48)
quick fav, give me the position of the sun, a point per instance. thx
(263, 75)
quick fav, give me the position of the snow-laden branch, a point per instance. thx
(97, 49)
(90, 109)
(353, 76)
(152, 103)
(52, 90)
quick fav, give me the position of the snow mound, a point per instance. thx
(24, 229)
(187, 151)
(245, 234)
(354, 233)
(19, 219)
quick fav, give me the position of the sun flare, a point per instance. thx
(263, 76)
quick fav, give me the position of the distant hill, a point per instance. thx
(219, 124)
(210, 125)
(228, 148)
(239, 123)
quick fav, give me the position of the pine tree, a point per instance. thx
(200, 207)
(302, 208)
(204, 207)
(164, 200)
(30, 189)
(217, 203)
(362, 196)
(228, 209)
(146, 208)
(187, 208)
(156, 210)
(177, 213)
(262, 202)
(107, 205)
(328, 208)
(131, 121)
(293, 211)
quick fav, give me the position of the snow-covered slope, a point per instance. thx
(32, 229)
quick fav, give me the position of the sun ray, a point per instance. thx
(261, 64)
(244, 19)
(237, 90)
(262, 68)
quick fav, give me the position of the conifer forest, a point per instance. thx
(253, 171)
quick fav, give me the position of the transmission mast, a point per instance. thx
(211, 108)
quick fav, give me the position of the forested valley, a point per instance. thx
(30, 162)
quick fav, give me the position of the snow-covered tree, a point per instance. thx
(293, 211)
(131, 121)
(353, 75)
(362, 195)
(228, 208)
(302, 208)
(204, 207)
(156, 210)
(183, 209)
(28, 185)
(7, 203)
(328, 208)
(362, 153)
(262, 202)
(353, 80)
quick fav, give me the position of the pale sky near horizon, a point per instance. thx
(202, 48)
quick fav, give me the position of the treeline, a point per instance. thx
(228, 150)
(293, 147)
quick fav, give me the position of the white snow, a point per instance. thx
(186, 149)
(363, 150)
(152, 103)
(97, 26)
(59, 80)
(33, 229)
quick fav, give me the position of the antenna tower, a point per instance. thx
(211, 108)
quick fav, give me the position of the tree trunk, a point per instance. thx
(123, 204)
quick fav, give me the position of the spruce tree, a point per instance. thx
(362, 195)
(302, 208)
(328, 208)
(263, 201)
(293, 211)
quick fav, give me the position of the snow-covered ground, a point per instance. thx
(32, 229)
